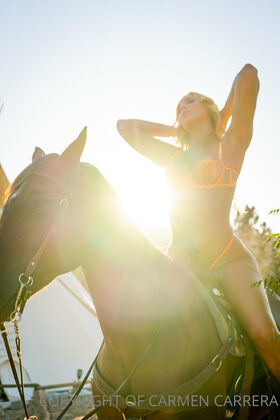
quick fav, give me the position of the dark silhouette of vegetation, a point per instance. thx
(264, 244)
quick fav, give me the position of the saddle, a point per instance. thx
(234, 341)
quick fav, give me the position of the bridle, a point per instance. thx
(26, 281)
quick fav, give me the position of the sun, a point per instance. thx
(142, 191)
(148, 206)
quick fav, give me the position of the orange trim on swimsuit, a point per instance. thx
(209, 173)
(214, 263)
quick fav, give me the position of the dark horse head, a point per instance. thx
(32, 206)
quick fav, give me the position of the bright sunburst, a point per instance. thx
(142, 190)
(147, 206)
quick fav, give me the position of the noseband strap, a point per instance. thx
(52, 178)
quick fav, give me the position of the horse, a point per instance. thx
(168, 344)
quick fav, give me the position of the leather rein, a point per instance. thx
(25, 288)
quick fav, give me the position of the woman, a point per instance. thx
(202, 173)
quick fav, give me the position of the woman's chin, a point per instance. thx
(185, 125)
(183, 130)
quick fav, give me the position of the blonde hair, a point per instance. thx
(213, 112)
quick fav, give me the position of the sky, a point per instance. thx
(66, 64)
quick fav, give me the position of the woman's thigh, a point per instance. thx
(250, 302)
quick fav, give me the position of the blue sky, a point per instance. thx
(66, 64)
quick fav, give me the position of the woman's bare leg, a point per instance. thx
(252, 308)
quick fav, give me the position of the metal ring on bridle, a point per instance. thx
(15, 316)
(64, 203)
(27, 282)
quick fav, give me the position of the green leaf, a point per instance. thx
(274, 211)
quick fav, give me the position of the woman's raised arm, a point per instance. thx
(141, 136)
(241, 105)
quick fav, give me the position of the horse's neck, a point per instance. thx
(125, 274)
(123, 265)
(127, 277)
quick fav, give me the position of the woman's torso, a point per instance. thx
(202, 186)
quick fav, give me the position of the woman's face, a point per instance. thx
(190, 111)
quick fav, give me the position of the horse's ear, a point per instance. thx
(37, 154)
(74, 151)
